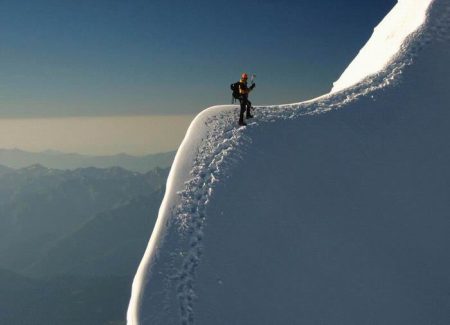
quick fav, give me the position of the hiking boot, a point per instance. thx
(249, 115)
(242, 123)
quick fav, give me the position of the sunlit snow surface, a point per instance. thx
(303, 217)
(405, 18)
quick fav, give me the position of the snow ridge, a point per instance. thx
(221, 144)
(385, 41)
(224, 143)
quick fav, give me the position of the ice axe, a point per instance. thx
(252, 80)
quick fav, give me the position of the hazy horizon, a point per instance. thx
(136, 135)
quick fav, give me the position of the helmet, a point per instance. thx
(244, 76)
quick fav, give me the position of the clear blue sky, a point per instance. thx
(110, 57)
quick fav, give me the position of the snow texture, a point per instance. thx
(306, 217)
(388, 37)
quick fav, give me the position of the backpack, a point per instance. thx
(235, 88)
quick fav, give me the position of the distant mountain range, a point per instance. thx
(43, 208)
(71, 241)
(110, 244)
(16, 158)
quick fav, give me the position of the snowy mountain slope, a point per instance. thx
(385, 43)
(337, 218)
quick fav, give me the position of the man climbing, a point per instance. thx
(246, 105)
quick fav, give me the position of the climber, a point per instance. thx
(241, 91)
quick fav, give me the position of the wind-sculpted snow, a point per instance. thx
(220, 147)
(204, 263)
(385, 43)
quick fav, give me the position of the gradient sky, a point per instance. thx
(64, 58)
(98, 76)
